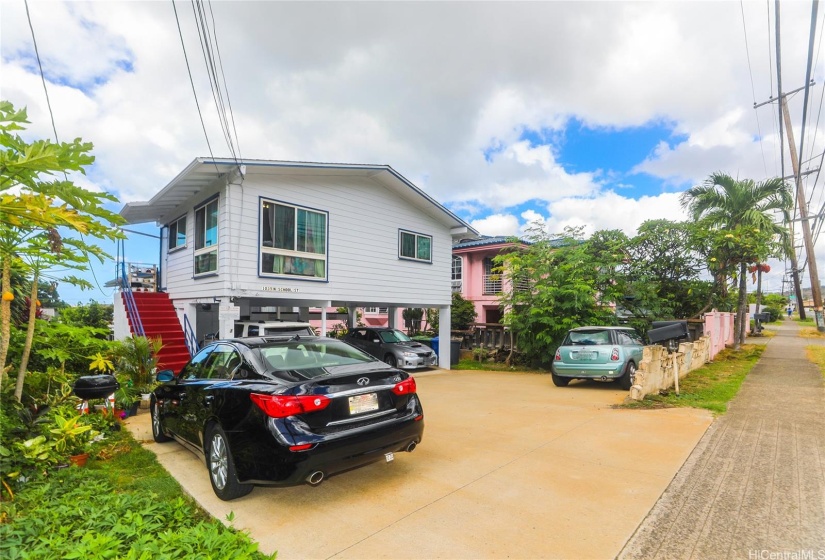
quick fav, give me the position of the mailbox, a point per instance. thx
(667, 330)
(763, 317)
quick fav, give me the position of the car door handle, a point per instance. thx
(209, 399)
(181, 396)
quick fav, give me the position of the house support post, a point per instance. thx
(392, 312)
(352, 317)
(324, 307)
(228, 313)
(444, 342)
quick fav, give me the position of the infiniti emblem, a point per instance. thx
(363, 381)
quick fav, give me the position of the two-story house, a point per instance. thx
(474, 277)
(264, 238)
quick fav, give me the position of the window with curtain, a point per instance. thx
(415, 246)
(293, 241)
(177, 234)
(206, 238)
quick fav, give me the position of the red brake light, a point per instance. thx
(615, 355)
(558, 354)
(406, 387)
(281, 406)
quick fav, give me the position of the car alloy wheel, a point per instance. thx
(218, 461)
(157, 428)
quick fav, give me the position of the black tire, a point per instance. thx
(560, 381)
(158, 432)
(390, 360)
(221, 466)
(628, 377)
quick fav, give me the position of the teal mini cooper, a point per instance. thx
(601, 353)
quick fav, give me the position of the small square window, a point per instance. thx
(415, 246)
(177, 234)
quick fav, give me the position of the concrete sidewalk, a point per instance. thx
(754, 486)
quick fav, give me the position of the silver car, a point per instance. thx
(603, 353)
(392, 347)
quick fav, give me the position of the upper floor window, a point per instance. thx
(293, 241)
(206, 238)
(491, 278)
(376, 310)
(456, 279)
(415, 246)
(177, 234)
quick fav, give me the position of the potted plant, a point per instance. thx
(71, 438)
(136, 359)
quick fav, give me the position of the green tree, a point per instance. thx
(557, 283)
(739, 219)
(463, 312)
(40, 203)
(93, 314)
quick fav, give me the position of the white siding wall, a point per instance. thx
(363, 263)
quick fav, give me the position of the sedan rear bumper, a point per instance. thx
(275, 465)
(588, 371)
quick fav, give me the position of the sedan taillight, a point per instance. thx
(281, 406)
(615, 355)
(406, 387)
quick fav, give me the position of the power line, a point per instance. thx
(753, 89)
(191, 81)
(40, 65)
(226, 87)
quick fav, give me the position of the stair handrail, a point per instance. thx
(189, 337)
(131, 305)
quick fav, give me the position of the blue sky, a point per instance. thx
(594, 114)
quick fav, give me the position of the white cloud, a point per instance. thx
(497, 224)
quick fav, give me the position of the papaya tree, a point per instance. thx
(37, 198)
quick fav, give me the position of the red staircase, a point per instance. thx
(160, 320)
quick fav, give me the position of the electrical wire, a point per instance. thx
(191, 81)
(40, 66)
(753, 88)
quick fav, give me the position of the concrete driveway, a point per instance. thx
(510, 466)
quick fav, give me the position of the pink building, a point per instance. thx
(473, 277)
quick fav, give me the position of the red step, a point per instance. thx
(159, 319)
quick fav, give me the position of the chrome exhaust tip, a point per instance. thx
(315, 478)
(411, 447)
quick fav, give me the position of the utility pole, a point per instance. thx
(816, 290)
(797, 286)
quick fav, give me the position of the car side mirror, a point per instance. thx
(165, 376)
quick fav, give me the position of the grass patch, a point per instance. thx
(806, 321)
(810, 332)
(816, 354)
(475, 365)
(122, 505)
(712, 386)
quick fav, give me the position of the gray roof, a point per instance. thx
(204, 172)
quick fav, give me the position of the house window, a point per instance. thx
(456, 280)
(293, 241)
(206, 238)
(376, 310)
(492, 280)
(177, 234)
(415, 246)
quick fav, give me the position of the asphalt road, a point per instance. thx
(510, 467)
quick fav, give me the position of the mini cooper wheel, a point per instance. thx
(627, 380)
(221, 467)
(560, 381)
(157, 428)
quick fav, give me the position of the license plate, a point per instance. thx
(389, 456)
(586, 355)
(359, 404)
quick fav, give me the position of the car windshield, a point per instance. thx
(298, 354)
(393, 336)
(589, 338)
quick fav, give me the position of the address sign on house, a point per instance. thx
(279, 289)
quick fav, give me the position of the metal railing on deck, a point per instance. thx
(131, 305)
(189, 336)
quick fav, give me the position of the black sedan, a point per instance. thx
(284, 411)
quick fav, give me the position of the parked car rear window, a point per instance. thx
(587, 337)
(393, 336)
(301, 355)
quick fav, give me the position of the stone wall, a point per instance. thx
(655, 372)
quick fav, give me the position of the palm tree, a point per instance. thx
(725, 203)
